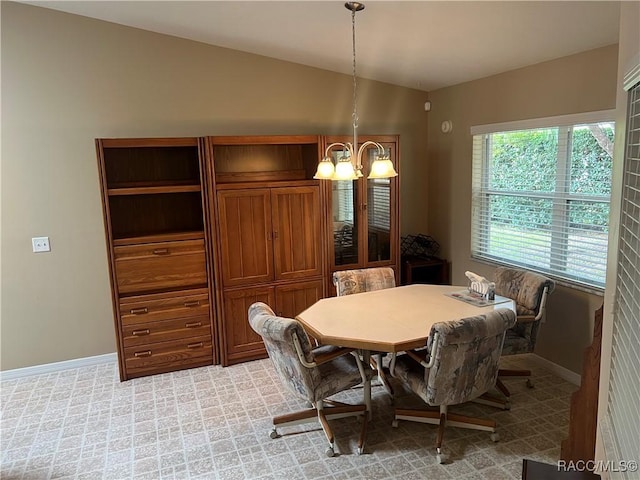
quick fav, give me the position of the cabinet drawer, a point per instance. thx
(158, 266)
(144, 309)
(176, 351)
(167, 330)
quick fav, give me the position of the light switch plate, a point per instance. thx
(40, 244)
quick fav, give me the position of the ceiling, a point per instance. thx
(420, 44)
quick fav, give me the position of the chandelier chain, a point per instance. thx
(355, 88)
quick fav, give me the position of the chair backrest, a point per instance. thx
(348, 282)
(526, 288)
(277, 334)
(529, 290)
(467, 352)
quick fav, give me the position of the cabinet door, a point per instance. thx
(245, 236)
(381, 212)
(241, 343)
(296, 232)
(293, 299)
(160, 266)
(345, 220)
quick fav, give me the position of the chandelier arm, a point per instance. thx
(345, 146)
(365, 145)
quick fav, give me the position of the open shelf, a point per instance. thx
(138, 166)
(158, 237)
(163, 213)
(264, 162)
(152, 188)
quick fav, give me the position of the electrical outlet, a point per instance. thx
(41, 244)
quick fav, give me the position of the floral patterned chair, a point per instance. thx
(311, 374)
(529, 290)
(348, 282)
(461, 364)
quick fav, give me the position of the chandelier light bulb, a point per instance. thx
(382, 167)
(345, 170)
(326, 170)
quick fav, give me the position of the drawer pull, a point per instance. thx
(194, 345)
(192, 303)
(140, 333)
(146, 353)
(161, 251)
(139, 311)
(193, 324)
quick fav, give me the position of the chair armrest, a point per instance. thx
(319, 359)
(431, 355)
(327, 357)
(414, 356)
(526, 318)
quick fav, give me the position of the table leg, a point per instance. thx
(382, 377)
(366, 360)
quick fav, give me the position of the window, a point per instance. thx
(541, 192)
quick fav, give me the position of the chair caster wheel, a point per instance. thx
(530, 383)
(329, 452)
(394, 424)
(495, 437)
(274, 434)
(441, 458)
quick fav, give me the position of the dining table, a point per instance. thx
(392, 320)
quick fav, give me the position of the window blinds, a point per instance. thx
(624, 391)
(540, 198)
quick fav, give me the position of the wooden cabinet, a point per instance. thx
(363, 214)
(198, 229)
(240, 342)
(269, 232)
(425, 270)
(154, 211)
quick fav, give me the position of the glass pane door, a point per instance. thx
(379, 212)
(344, 219)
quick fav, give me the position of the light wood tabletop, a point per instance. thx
(389, 320)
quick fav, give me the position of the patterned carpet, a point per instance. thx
(213, 423)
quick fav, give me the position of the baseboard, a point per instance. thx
(58, 366)
(564, 373)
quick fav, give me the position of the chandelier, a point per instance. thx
(349, 162)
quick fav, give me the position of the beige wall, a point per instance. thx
(67, 80)
(579, 83)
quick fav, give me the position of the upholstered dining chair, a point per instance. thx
(314, 375)
(529, 290)
(348, 282)
(459, 364)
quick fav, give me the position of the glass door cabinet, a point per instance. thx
(363, 214)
